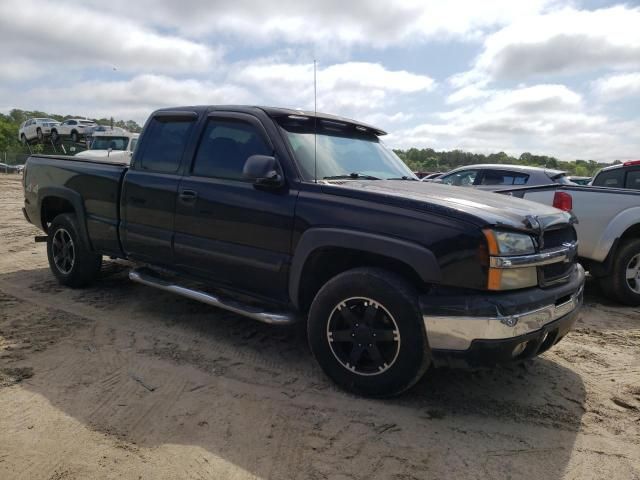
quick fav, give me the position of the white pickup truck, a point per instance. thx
(111, 145)
(608, 232)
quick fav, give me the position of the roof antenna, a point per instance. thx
(315, 124)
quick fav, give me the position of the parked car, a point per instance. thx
(624, 175)
(6, 168)
(312, 218)
(36, 128)
(111, 146)
(608, 231)
(579, 180)
(496, 176)
(74, 128)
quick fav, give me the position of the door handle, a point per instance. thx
(188, 196)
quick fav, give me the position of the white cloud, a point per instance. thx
(132, 99)
(561, 42)
(332, 22)
(48, 36)
(614, 87)
(352, 88)
(543, 119)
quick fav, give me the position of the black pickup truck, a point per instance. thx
(283, 215)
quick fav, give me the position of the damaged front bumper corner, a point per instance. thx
(487, 328)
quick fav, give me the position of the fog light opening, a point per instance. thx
(518, 349)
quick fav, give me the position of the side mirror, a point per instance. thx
(263, 170)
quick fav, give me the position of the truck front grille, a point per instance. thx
(556, 272)
(555, 238)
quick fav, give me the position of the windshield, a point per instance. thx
(348, 154)
(106, 143)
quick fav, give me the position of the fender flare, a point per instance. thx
(614, 230)
(420, 259)
(75, 199)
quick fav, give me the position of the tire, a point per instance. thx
(54, 136)
(74, 265)
(74, 137)
(39, 134)
(23, 139)
(339, 331)
(626, 264)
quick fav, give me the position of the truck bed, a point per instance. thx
(92, 186)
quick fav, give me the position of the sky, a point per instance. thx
(549, 77)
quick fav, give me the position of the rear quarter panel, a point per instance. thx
(93, 188)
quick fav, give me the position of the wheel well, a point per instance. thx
(52, 207)
(631, 232)
(325, 263)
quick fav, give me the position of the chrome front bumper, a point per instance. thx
(453, 332)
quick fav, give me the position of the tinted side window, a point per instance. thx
(165, 144)
(610, 178)
(497, 177)
(225, 147)
(463, 178)
(633, 180)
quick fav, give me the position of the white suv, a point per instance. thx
(36, 128)
(76, 128)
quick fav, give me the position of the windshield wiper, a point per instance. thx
(353, 175)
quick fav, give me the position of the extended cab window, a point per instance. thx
(610, 178)
(497, 177)
(224, 149)
(633, 180)
(165, 144)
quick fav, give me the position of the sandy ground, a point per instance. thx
(121, 381)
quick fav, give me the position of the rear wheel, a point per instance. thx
(54, 136)
(74, 137)
(366, 331)
(70, 258)
(23, 139)
(623, 284)
(39, 134)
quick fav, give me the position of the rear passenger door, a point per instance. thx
(227, 230)
(150, 187)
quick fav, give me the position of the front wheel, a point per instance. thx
(70, 259)
(623, 284)
(366, 331)
(54, 136)
(74, 137)
(39, 135)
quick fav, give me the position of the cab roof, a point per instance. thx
(278, 112)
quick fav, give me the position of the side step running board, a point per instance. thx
(146, 277)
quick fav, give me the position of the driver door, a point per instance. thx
(227, 230)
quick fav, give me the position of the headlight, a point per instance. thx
(510, 243)
(502, 275)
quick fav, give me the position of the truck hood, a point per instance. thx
(479, 207)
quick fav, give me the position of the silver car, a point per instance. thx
(497, 176)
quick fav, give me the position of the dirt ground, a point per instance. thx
(121, 381)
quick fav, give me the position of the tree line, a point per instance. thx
(10, 124)
(429, 160)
